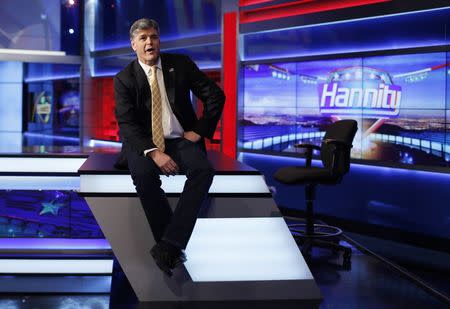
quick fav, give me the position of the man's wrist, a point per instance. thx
(148, 151)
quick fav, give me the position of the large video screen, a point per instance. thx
(26, 24)
(401, 104)
(53, 107)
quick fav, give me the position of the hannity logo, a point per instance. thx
(372, 100)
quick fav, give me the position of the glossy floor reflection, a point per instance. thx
(368, 284)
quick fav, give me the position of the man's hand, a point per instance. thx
(192, 136)
(164, 162)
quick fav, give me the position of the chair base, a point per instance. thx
(324, 236)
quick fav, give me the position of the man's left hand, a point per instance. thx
(192, 136)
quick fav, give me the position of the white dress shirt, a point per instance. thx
(170, 123)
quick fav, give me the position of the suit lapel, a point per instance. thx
(143, 85)
(169, 79)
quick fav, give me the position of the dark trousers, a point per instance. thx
(172, 226)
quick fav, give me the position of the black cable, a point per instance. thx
(416, 280)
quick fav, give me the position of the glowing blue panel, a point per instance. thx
(407, 191)
(425, 144)
(42, 165)
(50, 71)
(177, 19)
(53, 244)
(10, 142)
(448, 89)
(39, 183)
(54, 266)
(375, 33)
(11, 72)
(206, 57)
(173, 184)
(244, 249)
(436, 146)
(52, 284)
(10, 107)
(257, 144)
(11, 75)
(95, 143)
(276, 139)
(415, 142)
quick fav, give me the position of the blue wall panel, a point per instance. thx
(11, 75)
(408, 200)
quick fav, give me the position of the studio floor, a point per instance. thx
(368, 284)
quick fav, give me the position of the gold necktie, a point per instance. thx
(157, 128)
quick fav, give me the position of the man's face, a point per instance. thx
(146, 45)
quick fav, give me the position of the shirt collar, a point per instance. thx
(147, 68)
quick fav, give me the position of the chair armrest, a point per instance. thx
(309, 150)
(337, 142)
(307, 146)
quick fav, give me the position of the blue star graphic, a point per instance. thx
(51, 207)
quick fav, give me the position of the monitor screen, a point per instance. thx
(399, 102)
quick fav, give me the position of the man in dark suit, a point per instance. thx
(162, 135)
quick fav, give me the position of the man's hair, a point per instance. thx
(142, 24)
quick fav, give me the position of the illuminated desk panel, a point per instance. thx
(240, 249)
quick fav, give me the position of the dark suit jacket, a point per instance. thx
(133, 102)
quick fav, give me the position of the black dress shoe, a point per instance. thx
(179, 259)
(162, 259)
(167, 258)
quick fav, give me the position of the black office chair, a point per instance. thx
(335, 156)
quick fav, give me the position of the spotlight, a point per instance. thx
(68, 3)
(71, 31)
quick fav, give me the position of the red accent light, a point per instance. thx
(229, 83)
(251, 2)
(105, 124)
(302, 7)
(440, 66)
(104, 120)
(214, 143)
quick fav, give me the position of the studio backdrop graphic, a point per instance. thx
(399, 101)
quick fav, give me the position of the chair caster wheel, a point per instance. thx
(347, 265)
(347, 260)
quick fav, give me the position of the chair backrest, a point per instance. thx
(344, 131)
